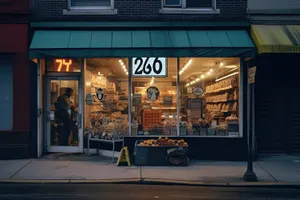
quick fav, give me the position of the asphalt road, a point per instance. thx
(140, 192)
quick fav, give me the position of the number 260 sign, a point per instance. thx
(153, 66)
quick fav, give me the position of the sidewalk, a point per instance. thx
(275, 170)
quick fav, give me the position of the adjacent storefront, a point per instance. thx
(15, 92)
(276, 97)
(141, 84)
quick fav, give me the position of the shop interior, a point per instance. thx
(208, 98)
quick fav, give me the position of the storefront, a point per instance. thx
(277, 97)
(139, 84)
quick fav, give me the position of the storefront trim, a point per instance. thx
(276, 38)
(137, 24)
(121, 53)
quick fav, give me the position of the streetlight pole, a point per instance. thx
(250, 79)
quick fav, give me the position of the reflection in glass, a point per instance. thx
(64, 104)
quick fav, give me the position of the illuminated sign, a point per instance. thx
(63, 65)
(149, 66)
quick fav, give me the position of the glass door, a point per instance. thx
(64, 107)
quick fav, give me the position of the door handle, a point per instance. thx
(51, 116)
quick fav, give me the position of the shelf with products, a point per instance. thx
(221, 101)
(223, 85)
(227, 96)
(222, 107)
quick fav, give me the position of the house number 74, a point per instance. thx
(63, 63)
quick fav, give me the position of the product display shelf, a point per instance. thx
(221, 89)
(113, 142)
(222, 101)
(117, 136)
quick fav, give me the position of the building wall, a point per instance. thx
(14, 143)
(274, 6)
(135, 10)
(273, 11)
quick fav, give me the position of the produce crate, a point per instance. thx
(151, 156)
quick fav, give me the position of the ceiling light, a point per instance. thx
(126, 73)
(211, 70)
(230, 66)
(227, 76)
(197, 79)
(120, 60)
(208, 73)
(221, 64)
(202, 76)
(185, 66)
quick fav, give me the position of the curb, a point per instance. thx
(150, 181)
(73, 181)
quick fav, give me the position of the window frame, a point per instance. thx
(91, 7)
(183, 5)
(184, 10)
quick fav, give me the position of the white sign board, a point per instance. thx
(145, 66)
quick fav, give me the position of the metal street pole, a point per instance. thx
(250, 174)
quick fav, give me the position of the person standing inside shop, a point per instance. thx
(63, 108)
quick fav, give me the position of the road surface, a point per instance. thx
(140, 192)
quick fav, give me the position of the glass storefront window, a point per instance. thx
(204, 92)
(106, 102)
(154, 102)
(63, 65)
(209, 96)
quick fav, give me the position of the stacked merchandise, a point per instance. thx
(108, 126)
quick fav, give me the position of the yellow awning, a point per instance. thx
(276, 38)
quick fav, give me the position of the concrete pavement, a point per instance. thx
(274, 170)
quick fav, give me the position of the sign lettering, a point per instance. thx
(63, 65)
(145, 66)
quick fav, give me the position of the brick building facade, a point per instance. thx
(134, 10)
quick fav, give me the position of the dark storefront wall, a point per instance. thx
(277, 103)
(14, 143)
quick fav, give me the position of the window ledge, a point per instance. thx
(90, 12)
(188, 11)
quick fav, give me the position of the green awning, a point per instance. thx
(172, 43)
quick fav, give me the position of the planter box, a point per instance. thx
(151, 156)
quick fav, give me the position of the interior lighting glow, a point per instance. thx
(227, 76)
